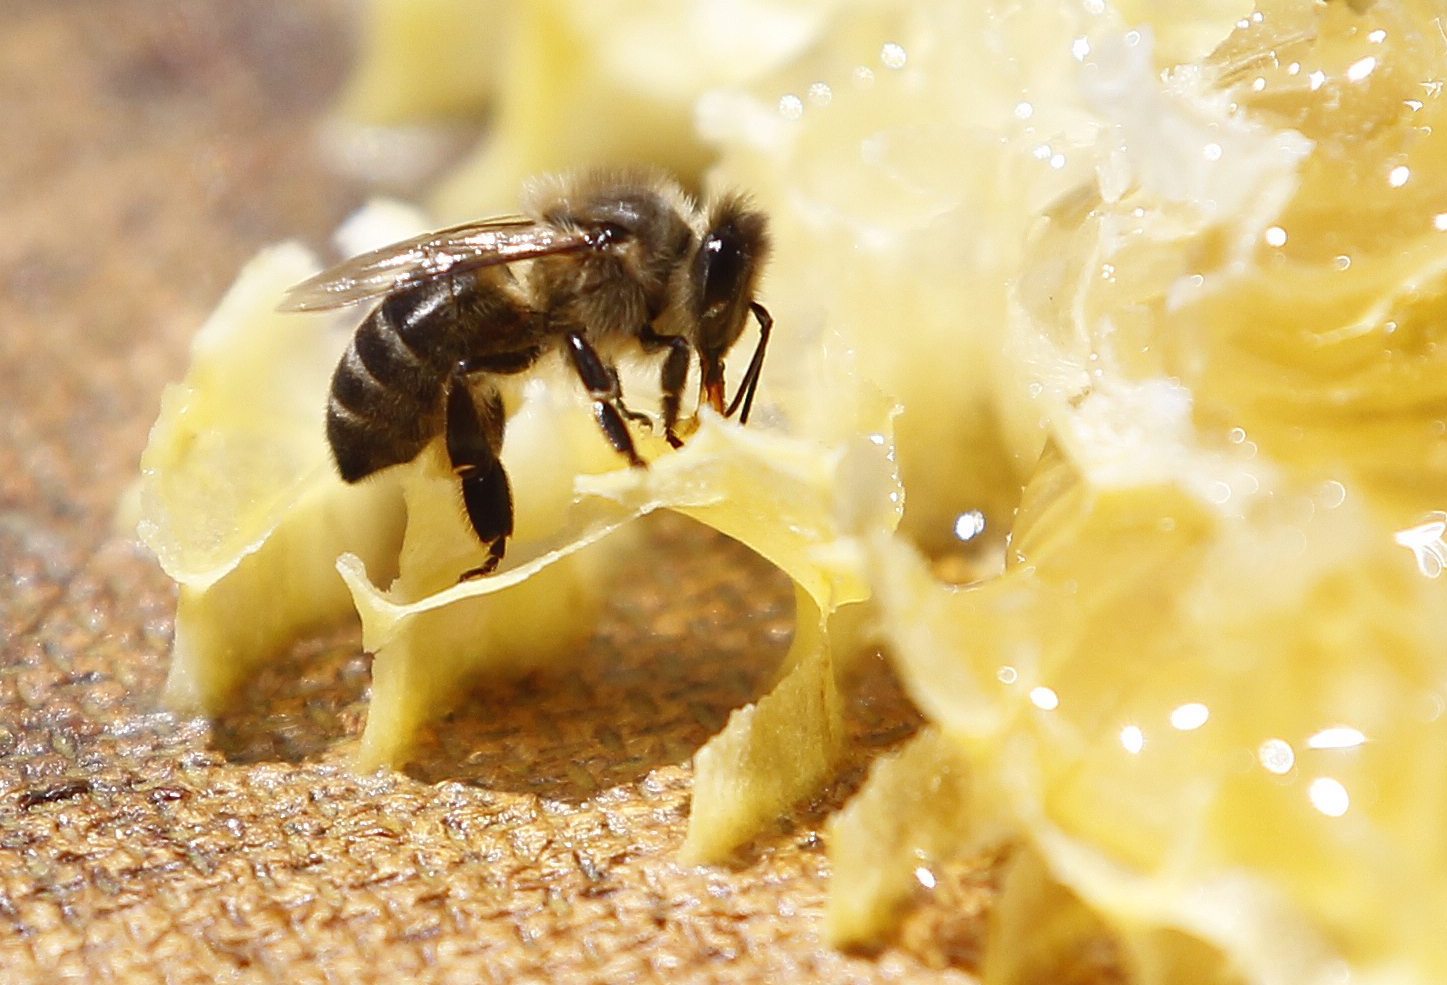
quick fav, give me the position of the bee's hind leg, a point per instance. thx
(475, 419)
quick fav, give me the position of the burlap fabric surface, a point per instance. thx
(150, 147)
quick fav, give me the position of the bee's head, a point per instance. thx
(722, 279)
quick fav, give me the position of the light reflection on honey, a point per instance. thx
(1228, 588)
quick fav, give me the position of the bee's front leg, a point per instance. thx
(675, 374)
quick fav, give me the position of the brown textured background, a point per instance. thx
(150, 147)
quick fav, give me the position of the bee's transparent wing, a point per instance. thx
(436, 254)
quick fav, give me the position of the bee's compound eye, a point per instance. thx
(722, 262)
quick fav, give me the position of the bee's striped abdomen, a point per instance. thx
(386, 398)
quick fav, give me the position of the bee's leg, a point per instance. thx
(474, 439)
(675, 373)
(636, 416)
(602, 384)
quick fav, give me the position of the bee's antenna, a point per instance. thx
(750, 382)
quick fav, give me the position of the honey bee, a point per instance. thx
(599, 263)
